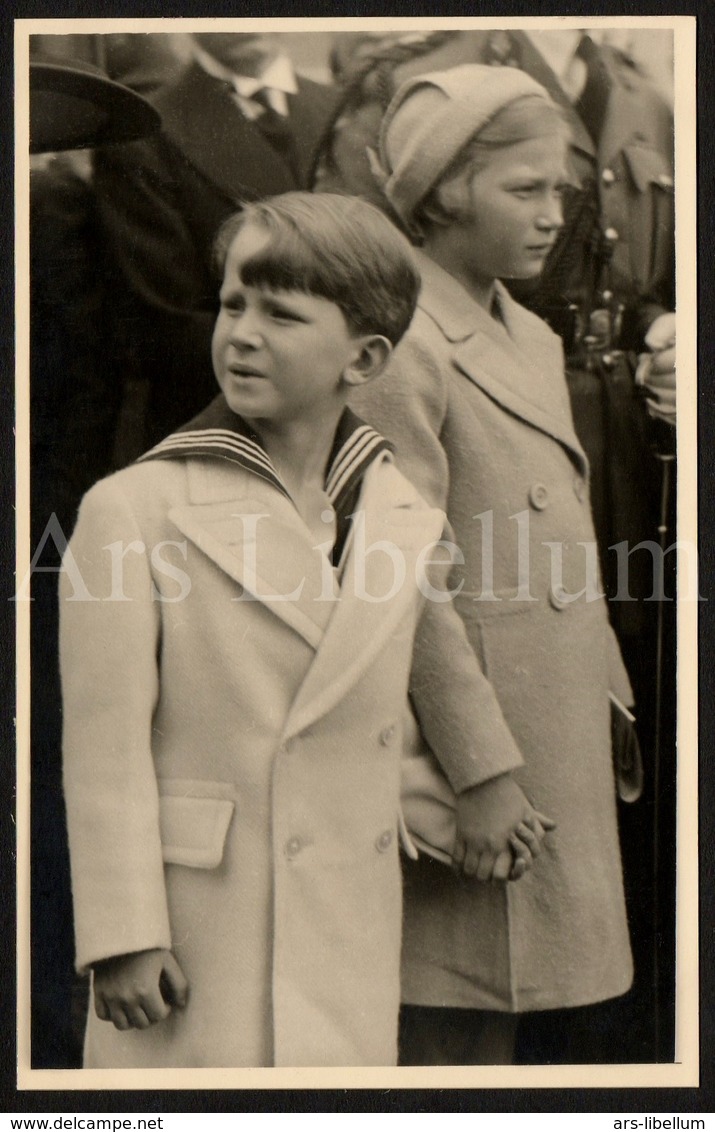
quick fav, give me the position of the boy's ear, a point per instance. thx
(372, 355)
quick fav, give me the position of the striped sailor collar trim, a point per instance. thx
(218, 433)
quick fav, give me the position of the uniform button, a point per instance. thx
(538, 496)
(612, 234)
(665, 180)
(608, 361)
(293, 847)
(384, 841)
(608, 176)
(386, 735)
(607, 296)
(558, 597)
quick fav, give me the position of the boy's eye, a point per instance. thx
(233, 304)
(285, 314)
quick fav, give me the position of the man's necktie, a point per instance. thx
(275, 127)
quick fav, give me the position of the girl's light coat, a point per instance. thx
(479, 414)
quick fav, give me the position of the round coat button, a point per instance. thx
(538, 496)
(608, 176)
(387, 735)
(611, 234)
(293, 847)
(558, 597)
(384, 841)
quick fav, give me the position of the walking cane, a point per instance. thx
(665, 455)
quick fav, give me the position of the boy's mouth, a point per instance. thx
(243, 371)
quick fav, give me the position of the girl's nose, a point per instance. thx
(551, 215)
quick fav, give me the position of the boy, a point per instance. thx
(238, 617)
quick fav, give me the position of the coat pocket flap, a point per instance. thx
(193, 830)
(647, 167)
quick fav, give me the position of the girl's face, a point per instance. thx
(511, 211)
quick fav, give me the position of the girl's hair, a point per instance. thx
(521, 120)
(338, 247)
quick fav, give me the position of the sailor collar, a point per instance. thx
(220, 434)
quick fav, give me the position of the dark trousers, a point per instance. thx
(446, 1035)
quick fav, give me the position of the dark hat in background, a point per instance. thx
(73, 105)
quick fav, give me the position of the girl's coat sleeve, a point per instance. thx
(109, 639)
(455, 704)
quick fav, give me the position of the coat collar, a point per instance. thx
(240, 514)
(219, 433)
(517, 360)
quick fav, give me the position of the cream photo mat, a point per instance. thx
(685, 1070)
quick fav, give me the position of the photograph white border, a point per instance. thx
(685, 1070)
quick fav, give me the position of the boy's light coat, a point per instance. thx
(232, 766)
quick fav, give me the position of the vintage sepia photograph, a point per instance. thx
(357, 552)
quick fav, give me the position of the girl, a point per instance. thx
(473, 164)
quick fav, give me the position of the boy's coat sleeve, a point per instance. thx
(110, 784)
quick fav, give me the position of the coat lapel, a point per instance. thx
(312, 111)
(391, 511)
(252, 532)
(517, 361)
(202, 120)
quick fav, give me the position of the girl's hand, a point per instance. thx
(525, 842)
(487, 817)
(135, 991)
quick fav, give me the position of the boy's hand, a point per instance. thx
(498, 831)
(135, 991)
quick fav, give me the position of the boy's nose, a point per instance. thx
(245, 331)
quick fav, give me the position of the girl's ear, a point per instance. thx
(445, 203)
(432, 212)
(372, 355)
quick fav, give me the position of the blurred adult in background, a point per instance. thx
(238, 124)
(74, 407)
(608, 290)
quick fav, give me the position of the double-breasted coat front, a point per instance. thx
(478, 411)
(233, 732)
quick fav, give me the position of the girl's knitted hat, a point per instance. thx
(431, 118)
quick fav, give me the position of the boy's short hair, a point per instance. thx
(338, 247)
